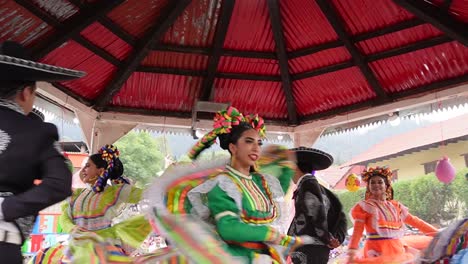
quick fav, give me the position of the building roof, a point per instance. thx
(290, 61)
(335, 175)
(432, 136)
(332, 175)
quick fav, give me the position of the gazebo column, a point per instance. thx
(307, 138)
(105, 132)
(96, 131)
(87, 122)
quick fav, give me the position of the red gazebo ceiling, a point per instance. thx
(291, 61)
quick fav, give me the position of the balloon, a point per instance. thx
(352, 182)
(444, 170)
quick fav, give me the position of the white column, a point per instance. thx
(107, 133)
(307, 138)
(87, 122)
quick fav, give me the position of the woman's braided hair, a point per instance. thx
(108, 158)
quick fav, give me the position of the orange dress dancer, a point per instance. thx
(384, 220)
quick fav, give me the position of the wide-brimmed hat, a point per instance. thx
(16, 65)
(310, 159)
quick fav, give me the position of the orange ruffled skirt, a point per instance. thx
(393, 251)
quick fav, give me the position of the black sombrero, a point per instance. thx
(310, 159)
(16, 65)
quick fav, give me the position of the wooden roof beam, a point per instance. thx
(438, 17)
(446, 5)
(421, 91)
(376, 56)
(358, 58)
(97, 50)
(271, 55)
(131, 40)
(307, 74)
(72, 27)
(118, 31)
(409, 48)
(414, 22)
(224, 75)
(207, 89)
(51, 20)
(169, 14)
(277, 27)
(208, 51)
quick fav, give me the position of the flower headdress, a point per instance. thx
(109, 153)
(224, 121)
(383, 172)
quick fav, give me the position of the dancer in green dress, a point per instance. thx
(89, 216)
(242, 205)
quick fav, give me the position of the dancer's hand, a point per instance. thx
(275, 236)
(290, 242)
(351, 256)
(334, 243)
(78, 228)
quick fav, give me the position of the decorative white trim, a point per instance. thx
(1, 210)
(225, 213)
(225, 183)
(238, 173)
(42, 67)
(11, 105)
(5, 140)
(454, 92)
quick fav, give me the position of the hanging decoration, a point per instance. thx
(352, 182)
(445, 171)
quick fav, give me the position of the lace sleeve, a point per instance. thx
(197, 195)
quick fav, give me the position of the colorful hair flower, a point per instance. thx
(383, 172)
(257, 123)
(377, 171)
(223, 122)
(108, 153)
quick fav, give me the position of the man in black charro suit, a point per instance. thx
(27, 149)
(318, 212)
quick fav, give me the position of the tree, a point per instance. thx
(350, 199)
(140, 153)
(429, 199)
(432, 200)
(460, 190)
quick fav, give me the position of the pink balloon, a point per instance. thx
(444, 170)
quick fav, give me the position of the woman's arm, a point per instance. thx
(65, 220)
(135, 195)
(417, 222)
(359, 217)
(228, 223)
